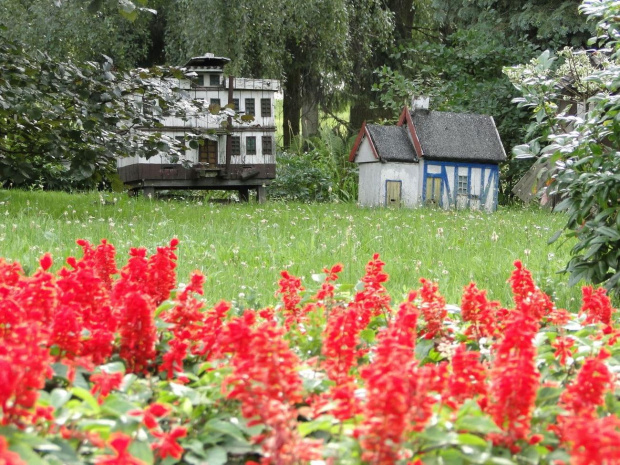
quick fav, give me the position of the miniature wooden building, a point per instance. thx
(240, 156)
(430, 157)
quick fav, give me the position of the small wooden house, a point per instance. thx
(430, 157)
(235, 156)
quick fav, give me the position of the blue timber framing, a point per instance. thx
(489, 176)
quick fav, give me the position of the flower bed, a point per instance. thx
(108, 366)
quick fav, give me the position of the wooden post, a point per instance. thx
(244, 194)
(149, 192)
(261, 194)
(231, 83)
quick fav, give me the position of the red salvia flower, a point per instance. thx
(480, 312)
(167, 446)
(588, 389)
(340, 349)
(290, 288)
(433, 308)
(468, 377)
(373, 299)
(137, 331)
(593, 441)
(597, 307)
(119, 443)
(206, 342)
(265, 381)
(161, 276)
(85, 293)
(36, 296)
(389, 392)
(529, 300)
(133, 276)
(151, 414)
(172, 361)
(104, 383)
(327, 288)
(102, 258)
(563, 348)
(514, 379)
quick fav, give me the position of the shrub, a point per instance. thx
(316, 170)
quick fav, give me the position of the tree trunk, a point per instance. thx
(310, 113)
(291, 107)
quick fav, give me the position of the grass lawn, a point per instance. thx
(242, 248)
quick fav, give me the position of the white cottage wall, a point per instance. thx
(409, 175)
(369, 194)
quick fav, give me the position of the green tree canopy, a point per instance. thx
(64, 123)
(312, 46)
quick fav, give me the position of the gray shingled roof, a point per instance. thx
(392, 143)
(458, 136)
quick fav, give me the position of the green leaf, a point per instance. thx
(307, 427)
(117, 406)
(27, 454)
(423, 347)
(471, 440)
(476, 424)
(368, 335)
(113, 367)
(87, 397)
(59, 397)
(142, 451)
(225, 427)
(216, 456)
(182, 391)
(555, 236)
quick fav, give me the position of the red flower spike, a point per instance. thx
(596, 306)
(587, 391)
(46, 261)
(265, 380)
(593, 441)
(433, 308)
(290, 288)
(480, 312)
(104, 383)
(563, 348)
(468, 377)
(397, 392)
(168, 446)
(514, 380)
(119, 442)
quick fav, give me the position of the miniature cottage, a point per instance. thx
(430, 157)
(240, 156)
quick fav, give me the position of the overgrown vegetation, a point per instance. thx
(579, 142)
(316, 170)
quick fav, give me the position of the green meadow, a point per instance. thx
(241, 248)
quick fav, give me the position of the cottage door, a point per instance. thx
(207, 153)
(392, 190)
(433, 191)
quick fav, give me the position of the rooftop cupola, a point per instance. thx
(207, 62)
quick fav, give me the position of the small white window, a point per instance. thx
(462, 186)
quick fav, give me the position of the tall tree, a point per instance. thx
(310, 45)
(460, 64)
(69, 30)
